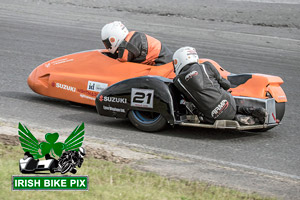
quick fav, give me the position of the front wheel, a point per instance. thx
(147, 121)
(66, 168)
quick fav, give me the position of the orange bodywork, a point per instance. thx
(81, 76)
(257, 86)
(222, 71)
(68, 77)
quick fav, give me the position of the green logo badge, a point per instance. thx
(60, 157)
(38, 150)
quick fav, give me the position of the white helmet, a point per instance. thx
(184, 56)
(113, 34)
(81, 152)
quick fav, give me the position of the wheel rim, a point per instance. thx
(146, 117)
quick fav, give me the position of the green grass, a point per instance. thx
(112, 181)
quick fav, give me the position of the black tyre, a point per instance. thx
(280, 109)
(66, 168)
(147, 121)
(262, 130)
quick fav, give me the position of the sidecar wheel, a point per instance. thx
(147, 121)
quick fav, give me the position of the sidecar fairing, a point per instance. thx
(79, 77)
(30, 165)
(147, 99)
(150, 102)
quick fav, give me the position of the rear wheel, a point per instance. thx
(147, 121)
(280, 109)
(66, 168)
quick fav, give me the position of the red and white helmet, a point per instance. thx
(113, 34)
(184, 56)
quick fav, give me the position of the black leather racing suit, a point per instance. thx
(203, 85)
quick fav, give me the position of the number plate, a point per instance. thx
(142, 98)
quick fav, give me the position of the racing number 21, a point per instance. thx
(142, 98)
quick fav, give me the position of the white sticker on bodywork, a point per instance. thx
(142, 98)
(96, 86)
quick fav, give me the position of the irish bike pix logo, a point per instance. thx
(52, 157)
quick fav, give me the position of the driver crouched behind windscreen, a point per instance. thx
(203, 85)
(134, 46)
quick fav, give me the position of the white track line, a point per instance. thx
(196, 157)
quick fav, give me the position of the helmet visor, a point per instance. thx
(107, 43)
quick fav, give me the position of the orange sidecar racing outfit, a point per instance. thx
(142, 48)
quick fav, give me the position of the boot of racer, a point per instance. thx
(245, 119)
(74, 170)
(259, 113)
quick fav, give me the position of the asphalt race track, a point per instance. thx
(243, 36)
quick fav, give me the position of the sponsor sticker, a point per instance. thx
(191, 75)
(60, 61)
(217, 111)
(112, 99)
(191, 52)
(47, 65)
(122, 110)
(64, 87)
(86, 92)
(96, 86)
(142, 98)
(87, 97)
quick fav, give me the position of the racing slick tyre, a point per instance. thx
(147, 121)
(280, 109)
